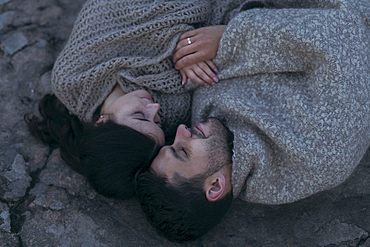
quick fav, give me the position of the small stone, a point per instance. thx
(18, 170)
(57, 230)
(17, 189)
(19, 178)
(4, 217)
(57, 205)
(4, 17)
(336, 232)
(40, 200)
(14, 43)
(41, 43)
(38, 189)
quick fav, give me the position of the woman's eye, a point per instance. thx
(140, 115)
(139, 112)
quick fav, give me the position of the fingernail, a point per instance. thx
(182, 83)
(216, 70)
(205, 84)
(213, 83)
(215, 79)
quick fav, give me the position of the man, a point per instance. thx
(188, 187)
(294, 91)
(205, 149)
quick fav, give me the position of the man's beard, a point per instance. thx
(219, 148)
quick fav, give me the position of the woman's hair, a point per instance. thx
(108, 154)
(111, 154)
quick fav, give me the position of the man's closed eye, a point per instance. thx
(183, 149)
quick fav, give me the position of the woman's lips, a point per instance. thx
(149, 98)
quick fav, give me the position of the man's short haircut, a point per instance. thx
(179, 212)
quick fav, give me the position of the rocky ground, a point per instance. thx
(45, 203)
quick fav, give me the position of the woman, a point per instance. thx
(98, 150)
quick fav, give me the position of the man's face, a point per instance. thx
(193, 149)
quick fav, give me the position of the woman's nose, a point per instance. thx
(152, 109)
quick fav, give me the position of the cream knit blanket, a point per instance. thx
(130, 42)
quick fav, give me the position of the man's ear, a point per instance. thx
(215, 187)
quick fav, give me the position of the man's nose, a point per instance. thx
(152, 109)
(182, 132)
(182, 136)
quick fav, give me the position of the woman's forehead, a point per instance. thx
(148, 128)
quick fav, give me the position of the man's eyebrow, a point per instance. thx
(177, 156)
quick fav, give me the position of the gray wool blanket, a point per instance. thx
(295, 90)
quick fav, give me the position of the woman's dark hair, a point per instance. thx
(109, 154)
(57, 128)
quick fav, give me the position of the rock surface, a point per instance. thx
(44, 203)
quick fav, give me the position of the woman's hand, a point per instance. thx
(203, 46)
(200, 73)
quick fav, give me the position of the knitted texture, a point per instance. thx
(294, 89)
(130, 43)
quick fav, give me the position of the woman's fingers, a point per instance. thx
(188, 34)
(194, 77)
(212, 65)
(184, 77)
(192, 54)
(189, 59)
(207, 74)
(182, 50)
(200, 73)
(185, 40)
(204, 46)
(180, 44)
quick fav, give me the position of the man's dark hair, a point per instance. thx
(179, 212)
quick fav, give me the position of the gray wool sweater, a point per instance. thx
(295, 92)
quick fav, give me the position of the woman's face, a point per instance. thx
(138, 111)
